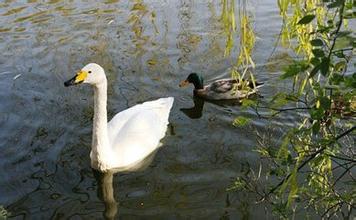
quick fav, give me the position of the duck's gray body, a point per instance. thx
(226, 89)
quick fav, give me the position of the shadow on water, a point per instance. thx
(196, 111)
(106, 193)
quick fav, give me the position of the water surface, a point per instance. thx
(46, 128)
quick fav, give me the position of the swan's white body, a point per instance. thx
(131, 135)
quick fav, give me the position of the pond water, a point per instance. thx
(46, 128)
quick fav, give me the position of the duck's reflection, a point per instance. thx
(196, 111)
(105, 185)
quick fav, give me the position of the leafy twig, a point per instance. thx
(311, 157)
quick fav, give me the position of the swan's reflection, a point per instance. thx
(106, 193)
(106, 189)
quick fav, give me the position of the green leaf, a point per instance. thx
(324, 29)
(306, 19)
(324, 102)
(316, 113)
(348, 5)
(350, 15)
(343, 33)
(294, 69)
(351, 81)
(302, 85)
(241, 121)
(324, 66)
(293, 186)
(279, 100)
(316, 127)
(283, 151)
(340, 54)
(248, 103)
(314, 71)
(315, 61)
(239, 184)
(336, 79)
(335, 4)
(316, 42)
(318, 52)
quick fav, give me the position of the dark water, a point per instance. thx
(46, 128)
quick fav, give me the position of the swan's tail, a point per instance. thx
(168, 102)
(163, 103)
(161, 106)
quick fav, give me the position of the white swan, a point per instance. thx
(131, 135)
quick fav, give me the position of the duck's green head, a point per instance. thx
(194, 78)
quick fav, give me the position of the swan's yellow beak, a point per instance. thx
(184, 83)
(77, 79)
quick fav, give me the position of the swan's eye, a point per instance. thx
(89, 71)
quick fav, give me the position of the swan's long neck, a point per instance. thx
(100, 141)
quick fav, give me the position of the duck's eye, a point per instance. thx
(89, 71)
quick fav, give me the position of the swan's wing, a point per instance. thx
(136, 132)
(161, 106)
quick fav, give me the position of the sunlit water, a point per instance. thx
(46, 128)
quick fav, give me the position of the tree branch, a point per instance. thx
(342, 158)
(311, 157)
(343, 174)
(345, 133)
(341, 17)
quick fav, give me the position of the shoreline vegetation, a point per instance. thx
(304, 170)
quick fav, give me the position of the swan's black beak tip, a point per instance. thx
(66, 84)
(70, 82)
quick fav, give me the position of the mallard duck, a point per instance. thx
(131, 135)
(223, 89)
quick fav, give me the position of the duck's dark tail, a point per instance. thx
(258, 85)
